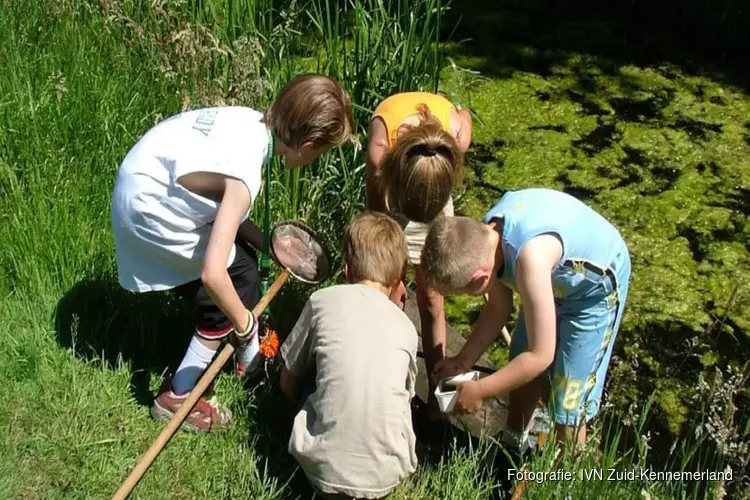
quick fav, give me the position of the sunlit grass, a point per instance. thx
(80, 83)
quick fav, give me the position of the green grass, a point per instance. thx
(80, 359)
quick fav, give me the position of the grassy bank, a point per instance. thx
(82, 81)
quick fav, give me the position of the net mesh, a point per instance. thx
(297, 249)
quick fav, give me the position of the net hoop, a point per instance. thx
(323, 261)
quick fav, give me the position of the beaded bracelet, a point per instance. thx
(250, 325)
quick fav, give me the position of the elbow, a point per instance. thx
(540, 359)
(467, 130)
(465, 115)
(465, 141)
(546, 358)
(210, 277)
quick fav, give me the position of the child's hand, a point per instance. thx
(448, 367)
(469, 398)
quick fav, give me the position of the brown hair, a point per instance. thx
(421, 170)
(453, 250)
(311, 108)
(374, 249)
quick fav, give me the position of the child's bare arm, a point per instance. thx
(494, 316)
(251, 233)
(234, 205)
(465, 126)
(533, 269)
(290, 385)
(377, 147)
(296, 354)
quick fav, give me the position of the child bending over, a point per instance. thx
(182, 196)
(416, 144)
(353, 355)
(571, 269)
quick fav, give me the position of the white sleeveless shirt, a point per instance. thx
(161, 230)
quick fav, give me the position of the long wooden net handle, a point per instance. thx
(211, 372)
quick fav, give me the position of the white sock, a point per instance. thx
(193, 364)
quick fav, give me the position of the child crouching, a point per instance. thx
(180, 219)
(353, 352)
(571, 269)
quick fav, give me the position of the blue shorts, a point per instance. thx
(589, 301)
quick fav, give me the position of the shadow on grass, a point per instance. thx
(101, 321)
(270, 424)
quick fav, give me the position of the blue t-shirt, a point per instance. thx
(586, 236)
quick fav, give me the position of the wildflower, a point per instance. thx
(269, 344)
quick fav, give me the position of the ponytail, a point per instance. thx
(421, 170)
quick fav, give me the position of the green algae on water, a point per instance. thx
(665, 156)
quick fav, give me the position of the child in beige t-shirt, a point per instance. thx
(353, 435)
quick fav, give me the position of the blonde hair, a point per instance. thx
(421, 170)
(454, 249)
(374, 249)
(311, 108)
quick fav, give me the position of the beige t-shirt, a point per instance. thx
(354, 435)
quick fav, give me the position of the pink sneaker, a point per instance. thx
(207, 414)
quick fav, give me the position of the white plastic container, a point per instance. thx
(445, 392)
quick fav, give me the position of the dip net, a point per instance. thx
(297, 248)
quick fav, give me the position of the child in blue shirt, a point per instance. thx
(571, 269)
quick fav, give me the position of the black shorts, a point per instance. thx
(211, 323)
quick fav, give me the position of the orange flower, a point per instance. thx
(269, 344)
